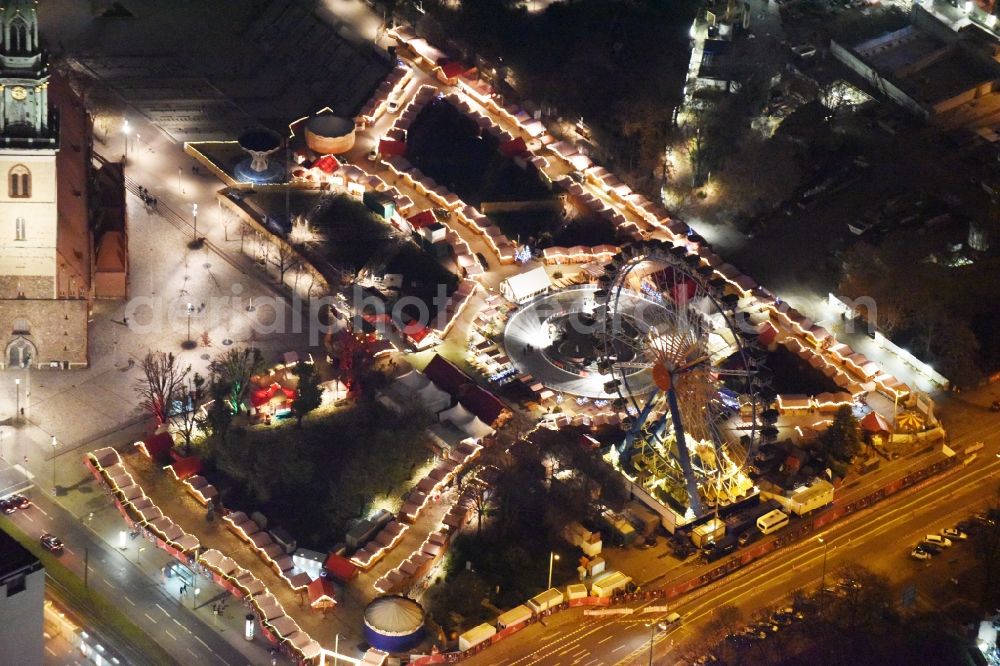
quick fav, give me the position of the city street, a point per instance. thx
(879, 538)
(132, 578)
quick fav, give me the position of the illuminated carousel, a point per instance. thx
(687, 377)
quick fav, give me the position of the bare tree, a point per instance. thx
(282, 258)
(481, 497)
(186, 418)
(235, 368)
(162, 381)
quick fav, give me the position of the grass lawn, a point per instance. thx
(792, 375)
(356, 239)
(445, 144)
(315, 480)
(546, 229)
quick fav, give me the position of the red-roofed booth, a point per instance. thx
(340, 568)
(388, 147)
(322, 594)
(157, 448)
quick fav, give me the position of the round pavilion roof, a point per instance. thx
(329, 125)
(394, 615)
(259, 140)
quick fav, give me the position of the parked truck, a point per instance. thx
(810, 498)
(608, 582)
(721, 548)
(708, 533)
(745, 519)
(803, 501)
(475, 636)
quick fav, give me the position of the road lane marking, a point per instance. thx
(177, 623)
(107, 583)
(23, 471)
(50, 650)
(29, 517)
(42, 510)
(620, 647)
(193, 653)
(68, 550)
(604, 640)
(167, 632)
(150, 618)
(903, 512)
(198, 638)
(162, 609)
(841, 533)
(128, 600)
(561, 641)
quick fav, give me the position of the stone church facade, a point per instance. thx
(45, 236)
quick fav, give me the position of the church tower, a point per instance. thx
(33, 218)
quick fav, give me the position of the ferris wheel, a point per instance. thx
(685, 372)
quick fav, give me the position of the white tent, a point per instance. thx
(458, 415)
(429, 395)
(519, 288)
(433, 398)
(413, 380)
(476, 428)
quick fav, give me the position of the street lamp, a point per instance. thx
(822, 579)
(17, 403)
(652, 636)
(125, 131)
(179, 171)
(194, 212)
(54, 445)
(552, 558)
(189, 343)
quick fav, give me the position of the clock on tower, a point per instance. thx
(24, 72)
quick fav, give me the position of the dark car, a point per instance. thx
(7, 506)
(20, 501)
(927, 547)
(51, 543)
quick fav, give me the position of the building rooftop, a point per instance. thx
(928, 69)
(944, 77)
(15, 559)
(902, 48)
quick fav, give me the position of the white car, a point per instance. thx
(918, 554)
(938, 540)
(952, 533)
(804, 50)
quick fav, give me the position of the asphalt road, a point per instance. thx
(179, 631)
(879, 538)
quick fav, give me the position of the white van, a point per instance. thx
(772, 521)
(669, 621)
